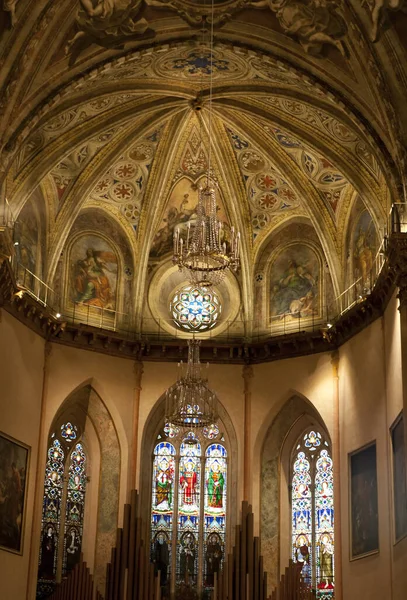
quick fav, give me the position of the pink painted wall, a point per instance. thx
(370, 400)
(21, 374)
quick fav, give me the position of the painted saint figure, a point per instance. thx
(215, 486)
(91, 284)
(295, 291)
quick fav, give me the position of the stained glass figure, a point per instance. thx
(162, 504)
(74, 511)
(68, 432)
(213, 557)
(189, 534)
(51, 515)
(214, 509)
(195, 308)
(302, 515)
(324, 526)
(313, 513)
(188, 509)
(53, 486)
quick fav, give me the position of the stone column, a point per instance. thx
(336, 457)
(138, 374)
(247, 474)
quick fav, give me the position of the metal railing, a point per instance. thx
(160, 329)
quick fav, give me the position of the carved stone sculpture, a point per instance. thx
(102, 20)
(313, 22)
(379, 10)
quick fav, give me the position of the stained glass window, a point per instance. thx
(68, 432)
(75, 504)
(195, 308)
(312, 513)
(189, 489)
(51, 512)
(163, 507)
(194, 530)
(63, 509)
(215, 510)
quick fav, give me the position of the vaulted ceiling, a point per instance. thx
(106, 130)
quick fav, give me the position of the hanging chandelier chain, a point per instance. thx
(190, 403)
(206, 253)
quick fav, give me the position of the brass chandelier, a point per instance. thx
(203, 254)
(190, 404)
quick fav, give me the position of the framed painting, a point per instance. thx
(399, 479)
(364, 521)
(14, 466)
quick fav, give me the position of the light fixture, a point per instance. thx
(203, 255)
(190, 404)
(58, 315)
(202, 251)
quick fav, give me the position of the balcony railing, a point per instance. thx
(229, 331)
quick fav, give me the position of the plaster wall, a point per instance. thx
(370, 400)
(273, 385)
(21, 377)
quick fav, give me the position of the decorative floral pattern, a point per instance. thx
(268, 192)
(124, 183)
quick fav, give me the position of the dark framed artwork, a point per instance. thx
(14, 466)
(363, 502)
(399, 478)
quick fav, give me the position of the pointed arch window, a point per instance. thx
(63, 509)
(189, 508)
(312, 512)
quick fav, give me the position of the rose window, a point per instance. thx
(195, 308)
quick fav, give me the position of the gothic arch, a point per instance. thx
(296, 414)
(82, 405)
(152, 427)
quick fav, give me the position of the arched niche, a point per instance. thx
(94, 277)
(30, 242)
(296, 415)
(152, 428)
(362, 247)
(85, 408)
(292, 284)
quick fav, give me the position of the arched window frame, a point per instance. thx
(61, 477)
(203, 529)
(312, 501)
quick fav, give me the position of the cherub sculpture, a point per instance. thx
(104, 20)
(313, 22)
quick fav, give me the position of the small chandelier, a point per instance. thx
(202, 255)
(189, 403)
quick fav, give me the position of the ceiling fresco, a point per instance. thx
(117, 115)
